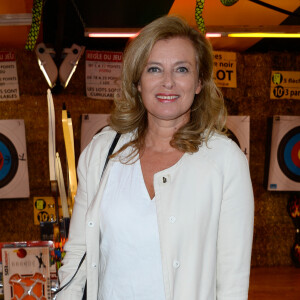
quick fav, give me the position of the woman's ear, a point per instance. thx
(139, 86)
(198, 87)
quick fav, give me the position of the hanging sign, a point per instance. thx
(9, 87)
(224, 72)
(285, 85)
(103, 72)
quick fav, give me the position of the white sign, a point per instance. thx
(103, 73)
(9, 87)
(285, 85)
(225, 69)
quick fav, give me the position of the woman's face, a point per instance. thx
(170, 81)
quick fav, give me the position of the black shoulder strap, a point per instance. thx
(110, 151)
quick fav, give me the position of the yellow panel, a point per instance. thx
(44, 209)
(242, 13)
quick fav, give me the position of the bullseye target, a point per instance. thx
(14, 182)
(284, 172)
(288, 154)
(9, 161)
(91, 124)
(239, 131)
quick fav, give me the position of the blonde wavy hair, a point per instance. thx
(208, 113)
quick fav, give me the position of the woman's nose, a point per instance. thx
(168, 80)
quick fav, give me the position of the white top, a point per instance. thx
(205, 214)
(130, 258)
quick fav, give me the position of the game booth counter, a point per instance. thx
(28, 270)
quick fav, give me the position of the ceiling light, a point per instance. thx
(263, 35)
(213, 34)
(111, 32)
(112, 35)
(269, 31)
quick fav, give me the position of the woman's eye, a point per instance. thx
(153, 70)
(182, 70)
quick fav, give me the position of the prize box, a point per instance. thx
(26, 273)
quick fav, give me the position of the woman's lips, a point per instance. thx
(166, 98)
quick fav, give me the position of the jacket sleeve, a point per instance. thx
(235, 233)
(75, 247)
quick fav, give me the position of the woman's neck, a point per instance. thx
(159, 134)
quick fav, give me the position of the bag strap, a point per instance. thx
(80, 263)
(110, 151)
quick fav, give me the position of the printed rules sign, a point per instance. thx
(103, 72)
(9, 86)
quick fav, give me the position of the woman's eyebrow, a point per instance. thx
(176, 63)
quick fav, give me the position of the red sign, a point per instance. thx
(7, 56)
(104, 56)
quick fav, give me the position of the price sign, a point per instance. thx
(285, 85)
(44, 210)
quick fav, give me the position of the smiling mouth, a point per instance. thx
(167, 98)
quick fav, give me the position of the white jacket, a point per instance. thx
(205, 219)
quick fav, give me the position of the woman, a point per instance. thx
(172, 216)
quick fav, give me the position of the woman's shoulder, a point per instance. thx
(100, 140)
(221, 141)
(103, 139)
(106, 133)
(99, 146)
(221, 149)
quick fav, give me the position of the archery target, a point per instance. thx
(239, 131)
(284, 170)
(91, 124)
(8, 161)
(14, 181)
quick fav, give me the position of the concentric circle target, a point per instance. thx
(9, 161)
(288, 154)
